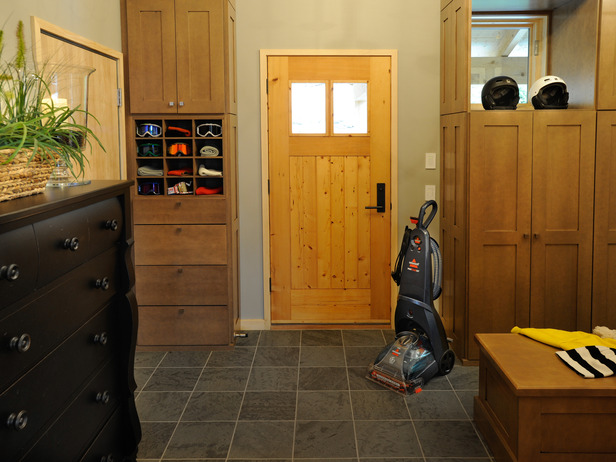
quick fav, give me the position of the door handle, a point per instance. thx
(380, 198)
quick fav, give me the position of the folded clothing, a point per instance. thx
(563, 339)
(180, 172)
(146, 170)
(591, 362)
(208, 172)
(201, 190)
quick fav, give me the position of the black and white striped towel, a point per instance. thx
(591, 362)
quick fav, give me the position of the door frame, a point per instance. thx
(41, 27)
(264, 54)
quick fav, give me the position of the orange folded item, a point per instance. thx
(180, 172)
(201, 190)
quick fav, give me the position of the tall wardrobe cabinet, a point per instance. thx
(182, 145)
(527, 219)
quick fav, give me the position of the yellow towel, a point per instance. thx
(563, 339)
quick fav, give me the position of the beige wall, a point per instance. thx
(97, 20)
(411, 27)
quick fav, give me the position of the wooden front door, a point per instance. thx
(329, 146)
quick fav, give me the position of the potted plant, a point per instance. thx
(37, 128)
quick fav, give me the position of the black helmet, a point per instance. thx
(500, 93)
(549, 92)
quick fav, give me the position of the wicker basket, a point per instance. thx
(20, 178)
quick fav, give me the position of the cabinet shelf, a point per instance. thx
(171, 151)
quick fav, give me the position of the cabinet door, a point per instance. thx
(454, 128)
(562, 218)
(200, 56)
(500, 170)
(606, 74)
(604, 271)
(455, 56)
(150, 28)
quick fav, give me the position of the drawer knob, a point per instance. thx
(21, 344)
(101, 339)
(103, 283)
(71, 244)
(111, 225)
(10, 272)
(107, 458)
(17, 421)
(103, 397)
(171, 103)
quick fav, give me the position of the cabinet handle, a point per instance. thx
(171, 103)
(536, 235)
(20, 344)
(103, 283)
(103, 397)
(111, 225)
(100, 339)
(71, 244)
(10, 272)
(525, 235)
(17, 421)
(181, 103)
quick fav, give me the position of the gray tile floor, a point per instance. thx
(299, 396)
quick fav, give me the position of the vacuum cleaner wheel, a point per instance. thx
(445, 365)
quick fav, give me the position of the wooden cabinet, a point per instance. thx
(182, 154)
(516, 221)
(606, 68)
(186, 244)
(453, 207)
(68, 325)
(181, 56)
(604, 264)
(455, 56)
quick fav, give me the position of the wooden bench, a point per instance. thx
(533, 408)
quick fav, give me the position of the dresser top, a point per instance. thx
(54, 199)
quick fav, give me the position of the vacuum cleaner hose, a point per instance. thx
(437, 267)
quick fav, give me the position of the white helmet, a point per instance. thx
(549, 92)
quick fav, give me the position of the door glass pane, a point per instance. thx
(308, 108)
(351, 107)
(499, 51)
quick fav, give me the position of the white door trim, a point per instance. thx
(264, 54)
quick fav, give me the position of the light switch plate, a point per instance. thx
(430, 192)
(430, 160)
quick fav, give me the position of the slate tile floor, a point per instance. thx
(299, 396)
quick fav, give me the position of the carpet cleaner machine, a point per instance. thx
(420, 349)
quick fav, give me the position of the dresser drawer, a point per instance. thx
(48, 388)
(85, 416)
(187, 210)
(180, 245)
(106, 224)
(28, 334)
(18, 264)
(68, 240)
(183, 325)
(114, 441)
(181, 285)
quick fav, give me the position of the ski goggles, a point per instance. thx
(150, 150)
(148, 189)
(209, 130)
(178, 149)
(177, 131)
(149, 129)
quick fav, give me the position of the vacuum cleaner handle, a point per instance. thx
(422, 211)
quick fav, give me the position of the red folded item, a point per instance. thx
(203, 190)
(180, 172)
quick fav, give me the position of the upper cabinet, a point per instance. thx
(455, 56)
(181, 56)
(606, 81)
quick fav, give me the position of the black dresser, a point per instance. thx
(68, 325)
